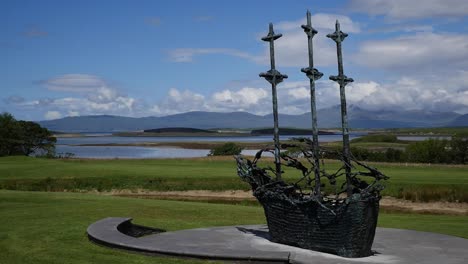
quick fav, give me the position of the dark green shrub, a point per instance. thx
(294, 152)
(394, 155)
(432, 150)
(229, 148)
(361, 153)
(24, 137)
(459, 148)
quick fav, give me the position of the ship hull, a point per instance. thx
(346, 228)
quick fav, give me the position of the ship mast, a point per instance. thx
(274, 77)
(338, 36)
(313, 75)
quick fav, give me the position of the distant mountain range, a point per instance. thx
(327, 118)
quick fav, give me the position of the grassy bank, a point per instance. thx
(417, 182)
(50, 227)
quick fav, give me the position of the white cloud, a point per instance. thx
(407, 28)
(292, 99)
(321, 21)
(297, 96)
(293, 84)
(178, 102)
(121, 105)
(430, 93)
(245, 96)
(90, 95)
(291, 49)
(416, 53)
(73, 113)
(249, 99)
(73, 83)
(404, 9)
(245, 99)
(52, 115)
(361, 91)
(299, 93)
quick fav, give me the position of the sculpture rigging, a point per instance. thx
(323, 212)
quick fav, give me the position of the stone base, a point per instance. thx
(251, 244)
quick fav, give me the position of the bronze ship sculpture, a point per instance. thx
(319, 211)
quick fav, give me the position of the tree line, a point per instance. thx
(18, 137)
(432, 150)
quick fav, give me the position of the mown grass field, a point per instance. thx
(39, 227)
(418, 182)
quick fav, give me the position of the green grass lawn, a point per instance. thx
(40, 227)
(417, 182)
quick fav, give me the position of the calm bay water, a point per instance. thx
(70, 145)
(99, 152)
(104, 152)
(123, 140)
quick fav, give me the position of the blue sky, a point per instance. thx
(154, 58)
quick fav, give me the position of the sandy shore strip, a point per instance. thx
(388, 203)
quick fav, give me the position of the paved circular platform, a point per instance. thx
(250, 243)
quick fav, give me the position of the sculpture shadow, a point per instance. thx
(137, 231)
(255, 232)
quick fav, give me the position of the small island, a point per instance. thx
(178, 130)
(182, 132)
(196, 132)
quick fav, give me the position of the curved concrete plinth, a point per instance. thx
(250, 243)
